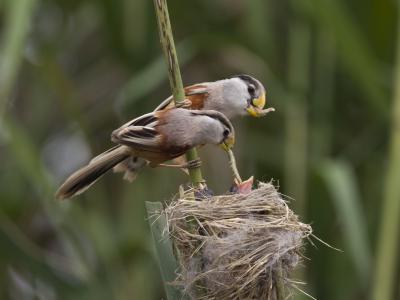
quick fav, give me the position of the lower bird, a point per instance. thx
(155, 137)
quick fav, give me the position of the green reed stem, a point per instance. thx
(388, 241)
(174, 74)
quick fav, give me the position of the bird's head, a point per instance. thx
(217, 129)
(228, 134)
(228, 142)
(255, 95)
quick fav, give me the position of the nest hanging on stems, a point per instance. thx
(236, 246)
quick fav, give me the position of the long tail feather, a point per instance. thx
(82, 179)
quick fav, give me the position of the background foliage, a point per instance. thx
(73, 70)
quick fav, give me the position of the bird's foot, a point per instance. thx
(184, 104)
(192, 164)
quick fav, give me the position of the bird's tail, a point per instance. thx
(82, 179)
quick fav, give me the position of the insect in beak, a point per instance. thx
(228, 143)
(256, 105)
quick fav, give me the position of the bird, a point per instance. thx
(155, 137)
(238, 95)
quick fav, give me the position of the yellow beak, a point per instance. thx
(228, 143)
(256, 106)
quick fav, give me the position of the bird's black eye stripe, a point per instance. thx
(226, 132)
(251, 89)
(226, 122)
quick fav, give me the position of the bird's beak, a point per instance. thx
(228, 143)
(256, 106)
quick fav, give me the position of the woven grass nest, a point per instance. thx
(238, 246)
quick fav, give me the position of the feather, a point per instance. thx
(101, 155)
(138, 137)
(148, 120)
(196, 93)
(82, 179)
(131, 167)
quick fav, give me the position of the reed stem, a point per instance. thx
(174, 74)
(387, 248)
(17, 22)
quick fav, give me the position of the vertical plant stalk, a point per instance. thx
(296, 115)
(18, 17)
(322, 126)
(164, 249)
(174, 74)
(387, 248)
(296, 119)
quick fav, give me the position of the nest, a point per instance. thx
(236, 246)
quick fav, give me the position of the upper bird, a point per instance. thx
(239, 95)
(156, 137)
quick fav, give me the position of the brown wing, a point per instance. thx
(140, 138)
(148, 120)
(196, 93)
(147, 143)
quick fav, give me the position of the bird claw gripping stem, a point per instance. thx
(193, 164)
(186, 103)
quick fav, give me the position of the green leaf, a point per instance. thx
(166, 260)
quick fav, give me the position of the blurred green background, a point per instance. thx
(73, 70)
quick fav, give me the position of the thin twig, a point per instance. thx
(232, 162)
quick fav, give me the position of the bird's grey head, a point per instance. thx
(254, 93)
(216, 127)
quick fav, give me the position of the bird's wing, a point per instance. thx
(167, 103)
(142, 138)
(196, 93)
(148, 120)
